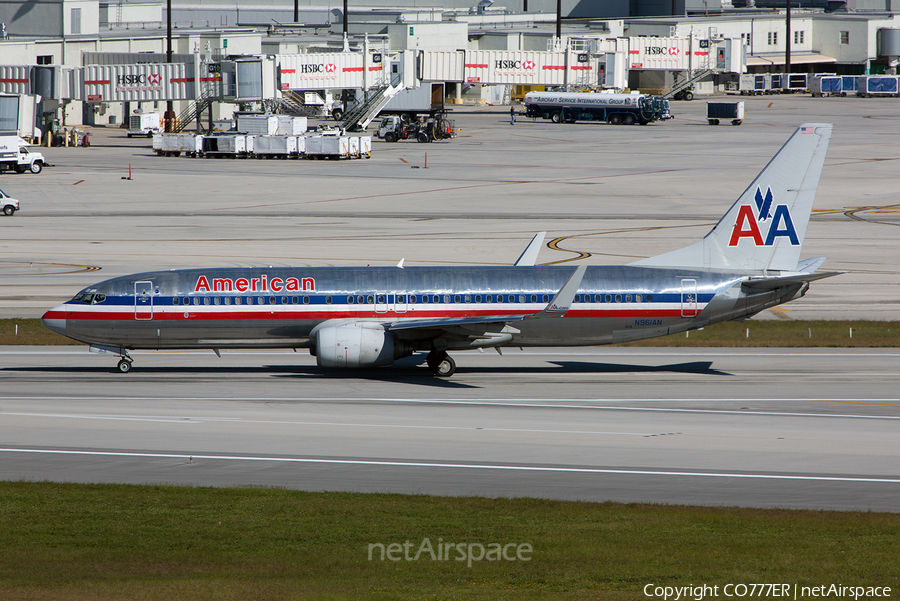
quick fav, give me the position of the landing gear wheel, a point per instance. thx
(442, 365)
(124, 366)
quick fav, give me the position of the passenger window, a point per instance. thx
(227, 300)
(413, 298)
(637, 298)
(649, 298)
(446, 298)
(456, 298)
(249, 300)
(534, 298)
(608, 298)
(401, 298)
(350, 300)
(618, 298)
(370, 299)
(305, 300)
(489, 298)
(217, 300)
(382, 299)
(271, 300)
(627, 298)
(237, 300)
(284, 300)
(521, 298)
(196, 301)
(468, 298)
(206, 300)
(176, 300)
(424, 298)
(546, 298)
(477, 298)
(327, 300)
(360, 299)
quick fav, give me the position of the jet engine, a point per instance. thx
(356, 344)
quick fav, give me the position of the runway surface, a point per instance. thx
(817, 428)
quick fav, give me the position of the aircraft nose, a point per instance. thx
(55, 320)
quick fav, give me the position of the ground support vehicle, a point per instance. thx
(15, 156)
(733, 111)
(393, 128)
(569, 107)
(877, 85)
(409, 104)
(143, 124)
(8, 204)
(826, 85)
(226, 146)
(173, 145)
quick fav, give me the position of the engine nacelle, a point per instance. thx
(355, 344)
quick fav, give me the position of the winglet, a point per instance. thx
(529, 256)
(400, 264)
(562, 302)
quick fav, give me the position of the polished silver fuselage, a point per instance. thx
(279, 307)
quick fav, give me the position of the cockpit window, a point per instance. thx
(99, 298)
(84, 297)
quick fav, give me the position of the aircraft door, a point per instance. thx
(688, 298)
(381, 302)
(143, 300)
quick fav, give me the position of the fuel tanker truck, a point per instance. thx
(569, 107)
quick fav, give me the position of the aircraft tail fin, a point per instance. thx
(765, 227)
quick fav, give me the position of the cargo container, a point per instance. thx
(728, 111)
(569, 107)
(173, 145)
(257, 124)
(877, 85)
(849, 83)
(328, 146)
(826, 85)
(289, 125)
(275, 147)
(230, 146)
(753, 84)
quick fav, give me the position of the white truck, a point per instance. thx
(15, 156)
(8, 204)
(143, 124)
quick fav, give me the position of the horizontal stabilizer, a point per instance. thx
(810, 265)
(772, 283)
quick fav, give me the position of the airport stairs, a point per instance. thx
(192, 113)
(361, 116)
(292, 104)
(683, 84)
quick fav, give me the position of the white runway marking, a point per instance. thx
(535, 404)
(201, 420)
(521, 468)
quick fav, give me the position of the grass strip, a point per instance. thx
(780, 333)
(99, 542)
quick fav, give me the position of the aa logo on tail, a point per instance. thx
(777, 225)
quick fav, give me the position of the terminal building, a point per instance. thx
(87, 62)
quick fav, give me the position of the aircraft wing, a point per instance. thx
(449, 322)
(778, 282)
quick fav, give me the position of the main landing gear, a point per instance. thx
(442, 365)
(124, 365)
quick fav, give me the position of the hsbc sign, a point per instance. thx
(661, 51)
(140, 82)
(319, 70)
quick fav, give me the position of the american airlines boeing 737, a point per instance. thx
(361, 317)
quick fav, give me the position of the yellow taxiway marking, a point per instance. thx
(859, 403)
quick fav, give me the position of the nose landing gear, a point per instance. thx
(441, 364)
(124, 365)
